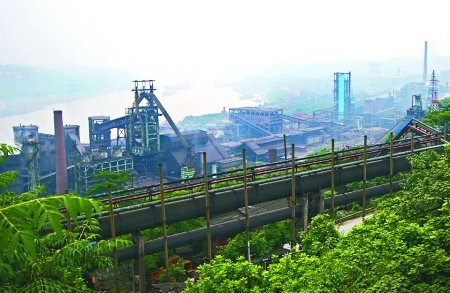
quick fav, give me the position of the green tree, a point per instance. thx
(299, 272)
(262, 242)
(7, 177)
(320, 236)
(444, 103)
(109, 179)
(440, 119)
(223, 275)
(403, 247)
(33, 261)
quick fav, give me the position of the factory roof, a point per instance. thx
(99, 117)
(269, 109)
(201, 142)
(230, 160)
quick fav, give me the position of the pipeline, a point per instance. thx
(235, 226)
(259, 191)
(153, 190)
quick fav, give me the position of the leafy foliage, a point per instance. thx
(374, 182)
(6, 150)
(222, 275)
(444, 103)
(320, 236)
(440, 119)
(299, 272)
(174, 273)
(6, 179)
(403, 247)
(156, 260)
(108, 179)
(33, 261)
(59, 257)
(262, 242)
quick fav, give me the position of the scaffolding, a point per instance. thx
(255, 121)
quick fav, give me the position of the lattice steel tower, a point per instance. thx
(433, 93)
(143, 130)
(143, 125)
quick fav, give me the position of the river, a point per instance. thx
(200, 98)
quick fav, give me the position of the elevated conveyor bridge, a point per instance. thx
(410, 125)
(224, 200)
(265, 183)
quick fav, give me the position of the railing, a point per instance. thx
(277, 169)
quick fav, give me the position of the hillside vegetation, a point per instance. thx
(404, 247)
(26, 88)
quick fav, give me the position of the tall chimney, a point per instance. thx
(60, 150)
(425, 57)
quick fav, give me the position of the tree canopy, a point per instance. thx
(404, 246)
(108, 179)
(38, 253)
(440, 119)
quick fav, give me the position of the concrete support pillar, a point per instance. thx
(141, 264)
(321, 203)
(305, 207)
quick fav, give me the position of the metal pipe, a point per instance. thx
(247, 223)
(293, 199)
(332, 178)
(60, 154)
(142, 281)
(285, 147)
(141, 192)
(364, 177)
(163, 215)
(238, 225)
(113, 236)
(391, 161)
(285, 151)
(229, 199)
(208, 221)
(412, 147)
(218, 231)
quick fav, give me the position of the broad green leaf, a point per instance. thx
(27, 238)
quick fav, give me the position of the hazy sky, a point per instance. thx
(167, 39)
(213, 35)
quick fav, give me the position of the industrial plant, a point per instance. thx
(136, 142)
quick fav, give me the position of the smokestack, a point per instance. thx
(60, 150)
(425, 57)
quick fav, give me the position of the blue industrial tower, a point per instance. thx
(342, 98)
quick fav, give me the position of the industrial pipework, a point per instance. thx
(235, 226)
(232, 198)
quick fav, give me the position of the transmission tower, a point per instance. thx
(433, 93)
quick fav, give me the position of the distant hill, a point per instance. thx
(25, 88)
(309, 87)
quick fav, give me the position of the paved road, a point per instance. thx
(345, 227)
